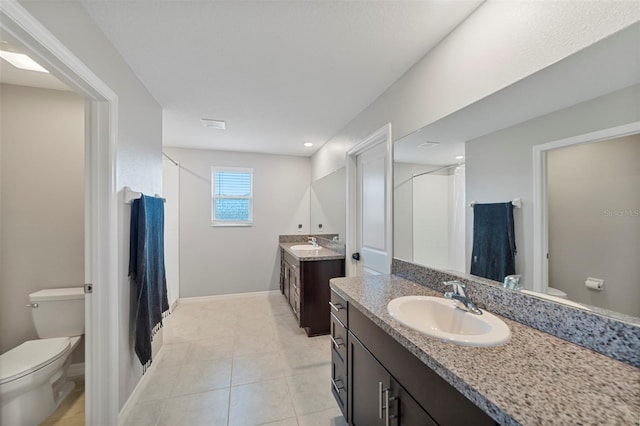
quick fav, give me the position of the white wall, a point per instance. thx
(431, 220)
(227, 260)
(498, 45)
(499, 166)
(42, 208)
(171, 194)
(139, 145)
(594, 222)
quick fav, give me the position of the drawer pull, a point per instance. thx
(335, 386)
(337, 307)
(335, 341)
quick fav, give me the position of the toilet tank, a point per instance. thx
(59, 312)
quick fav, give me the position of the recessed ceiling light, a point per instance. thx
(459, 157)
(307, 144)
(22, 61)
(428, 144)
(213, 124)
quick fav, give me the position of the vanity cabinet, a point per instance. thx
(339, 350)
(388, 385)
(305, 285)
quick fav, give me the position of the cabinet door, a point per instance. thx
(404, 410)
(367, 383)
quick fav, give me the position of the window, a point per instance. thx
(232, 196)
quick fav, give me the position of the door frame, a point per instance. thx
(101, 230)
(540, 210)
(382, 135)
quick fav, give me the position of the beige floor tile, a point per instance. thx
(160, 383)
(144, 413)
(173, 354)
(331, 417)
(256, 368)
(292, 421)
(208, 349)
(311, 392)
(251, 342)
(199, 409)
(302, 360)
(203, 376)
(76, 420)
(260, 403)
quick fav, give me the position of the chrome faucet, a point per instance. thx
(512, 282)
(459, 295)
(313, 241)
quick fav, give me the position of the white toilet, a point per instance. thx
(33, 375)
(557, 293)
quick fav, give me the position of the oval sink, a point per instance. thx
(440, 318)
(304, 247)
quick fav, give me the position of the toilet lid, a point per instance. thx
(31, 356)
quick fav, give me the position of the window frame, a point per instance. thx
(214, 197)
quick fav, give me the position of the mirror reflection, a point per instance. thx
(499, 134)
(328, 204)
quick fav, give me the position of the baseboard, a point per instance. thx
(228, 296)
(76, 370)
(135, 394)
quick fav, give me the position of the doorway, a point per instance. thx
(101, 244)
(370, 205)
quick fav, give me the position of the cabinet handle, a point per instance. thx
(335, 342)
(335, 386)
(336, 307)
(380, 400)
(386, 406)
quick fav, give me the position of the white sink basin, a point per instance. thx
(438, 317)
(305, 247)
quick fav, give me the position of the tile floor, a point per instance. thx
(238, 361)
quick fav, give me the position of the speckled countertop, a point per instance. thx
(307, 255)
(534, 379)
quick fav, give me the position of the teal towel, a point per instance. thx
(494, 242)
(147, 272)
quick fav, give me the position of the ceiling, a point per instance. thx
(279, 73)
(18, 77)
(602, 68)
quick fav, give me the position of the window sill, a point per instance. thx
(230, 225)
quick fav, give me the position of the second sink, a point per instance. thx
(305, 247)
(438, 317)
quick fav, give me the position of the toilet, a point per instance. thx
(551, 291)
(33, 375)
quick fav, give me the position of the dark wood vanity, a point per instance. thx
(305, 285)
(376, 381)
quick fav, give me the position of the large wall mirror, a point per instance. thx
(328, 204)
(592, 192)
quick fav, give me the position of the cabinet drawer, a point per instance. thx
(338, 337)
(339, 308)
(339, 380)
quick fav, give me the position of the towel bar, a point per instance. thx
(517, 203)
(130, 195)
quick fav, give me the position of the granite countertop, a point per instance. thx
(321, 253)
(533, 379)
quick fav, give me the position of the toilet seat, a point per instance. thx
(31, 356)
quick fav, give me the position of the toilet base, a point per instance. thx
(32, 407)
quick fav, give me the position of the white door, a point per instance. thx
(369, 203)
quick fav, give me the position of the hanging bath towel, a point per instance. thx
(146, 269)
(494, 242)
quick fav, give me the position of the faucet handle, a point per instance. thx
(458, 287)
